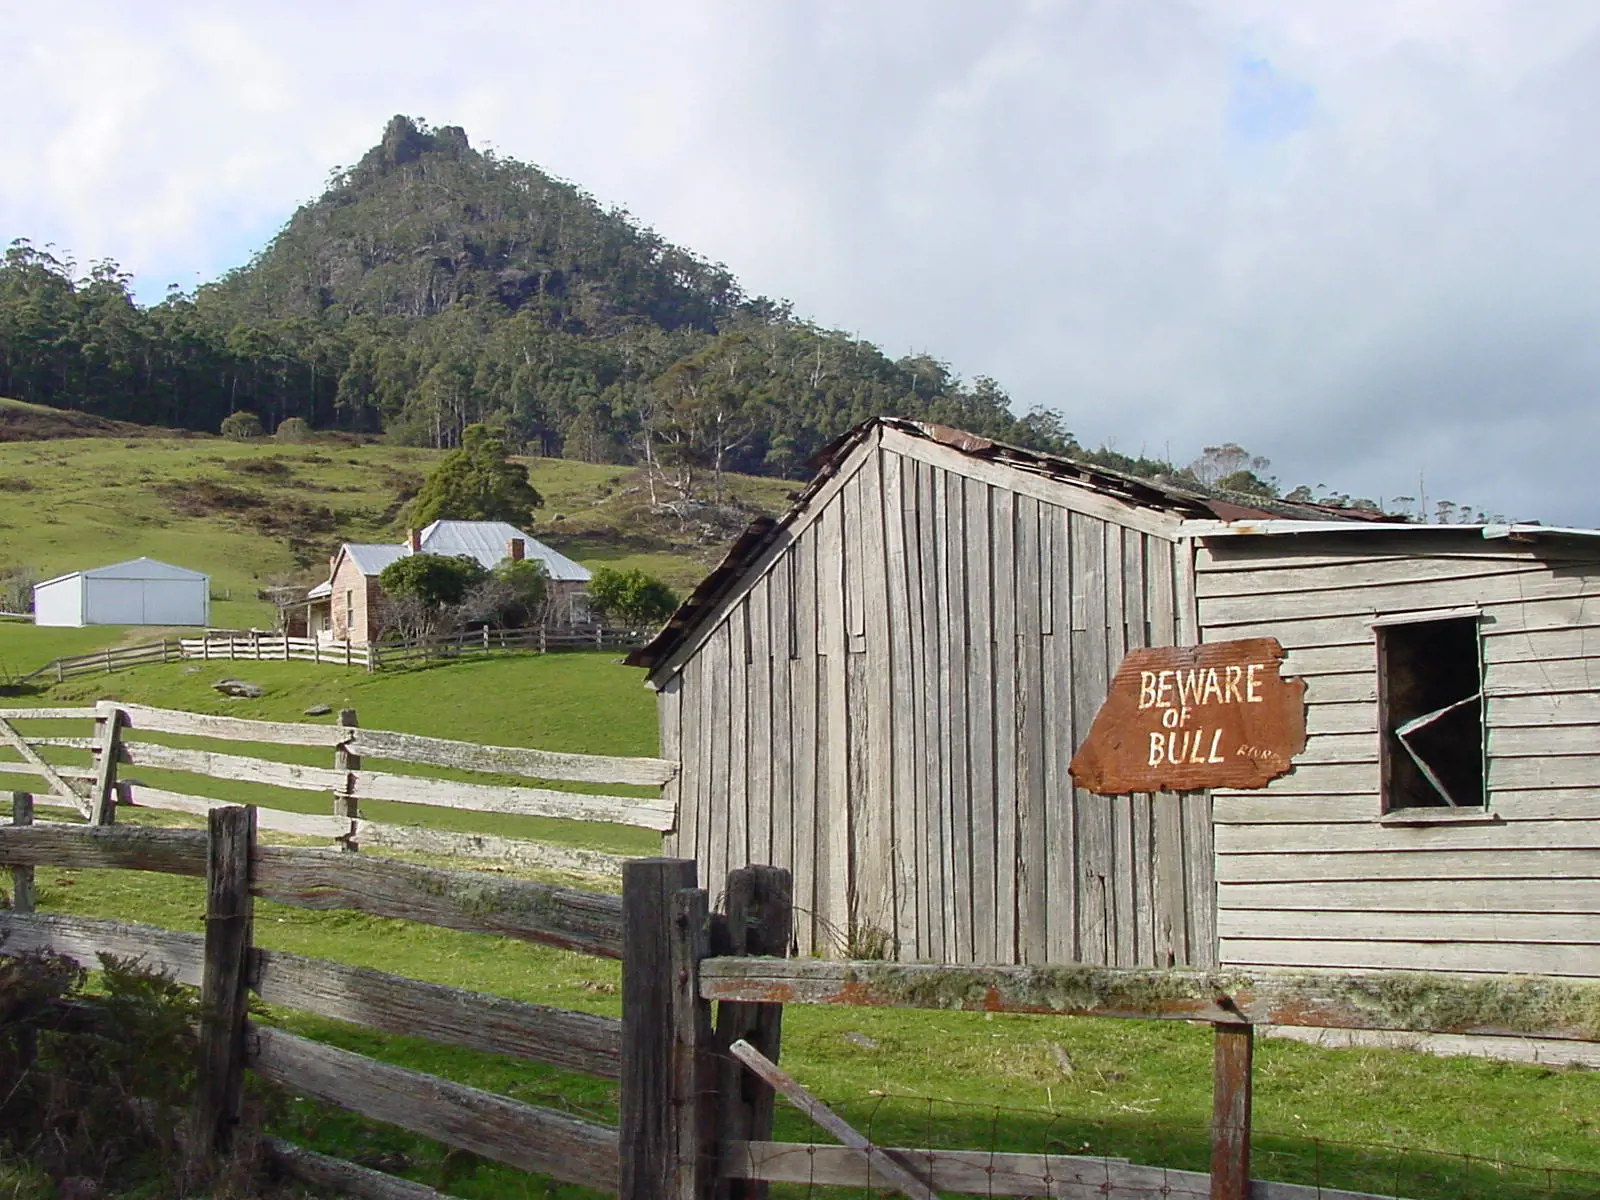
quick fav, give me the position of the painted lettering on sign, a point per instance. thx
(1181, 718)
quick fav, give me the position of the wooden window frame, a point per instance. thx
(1452, 813)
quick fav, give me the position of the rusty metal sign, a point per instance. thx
(1184, 718)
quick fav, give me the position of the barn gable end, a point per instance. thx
(886, 698)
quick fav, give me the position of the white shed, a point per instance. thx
(140, 591)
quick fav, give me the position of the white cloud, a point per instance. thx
(1390, 273)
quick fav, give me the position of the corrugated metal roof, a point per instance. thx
(488, 541)
(1161, 495)
(133, 568)
(321, 591)
(371, 558)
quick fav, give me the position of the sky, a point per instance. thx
(1358, 237)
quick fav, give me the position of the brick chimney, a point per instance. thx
(515, 549)
(414, 540)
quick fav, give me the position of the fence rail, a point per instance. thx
(253, 646)
(224, 964)
(693, 1125)
(104, 662)
(120, 744)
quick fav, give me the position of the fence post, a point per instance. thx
(1230, 1112)
(345, 803)
(760, 919)
(108, 742)
(667, 1103)
(22, 877)
(27, 1041)
(224, 988)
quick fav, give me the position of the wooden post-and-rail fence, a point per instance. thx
(696, 1095)
(254, 646)
(123, 738)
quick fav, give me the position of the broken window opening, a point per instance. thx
(1430, 706)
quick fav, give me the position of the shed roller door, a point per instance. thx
(115, 602)
(173, 602)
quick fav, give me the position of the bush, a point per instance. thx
(108, 1084)
(293, 431)
(434, 579)
(16, 589)
(631, 596)
(242, 426)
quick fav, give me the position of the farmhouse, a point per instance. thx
(884, 689)
(344, 605)
(140, 591)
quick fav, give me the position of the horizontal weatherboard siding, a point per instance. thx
(1308, 874)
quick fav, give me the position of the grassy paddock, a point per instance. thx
(1135, 1089)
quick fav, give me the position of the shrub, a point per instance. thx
(242, 426)
(434, 579)
(293, 431)
(111, 1075)
(631, 596)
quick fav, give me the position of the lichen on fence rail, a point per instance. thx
(1431, 1002)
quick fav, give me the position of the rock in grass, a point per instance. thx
(318, 710)
(238, 687)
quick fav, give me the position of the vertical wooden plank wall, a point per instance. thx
(889, 710)
(1307, 873)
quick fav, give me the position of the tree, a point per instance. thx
(512, 596)
(631, 596)
(1232, 468)
(435, 579)
(241, 426)
(422, 593)
(477, 482)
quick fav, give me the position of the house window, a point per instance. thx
(349, 611)
(1430, 714)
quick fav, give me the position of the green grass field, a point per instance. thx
(1134, 1089)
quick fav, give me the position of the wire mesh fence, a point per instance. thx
(990, 1149)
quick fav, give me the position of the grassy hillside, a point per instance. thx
(249, 514)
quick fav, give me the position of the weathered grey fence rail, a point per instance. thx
(117, 740)
(482, 641)
(226, 966)
(693, 1122)
(377, 656)
(104, 662)
(252, 646)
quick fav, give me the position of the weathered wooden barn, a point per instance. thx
(882, 690)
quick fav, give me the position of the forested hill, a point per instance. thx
(433, 286)
(424, 223)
